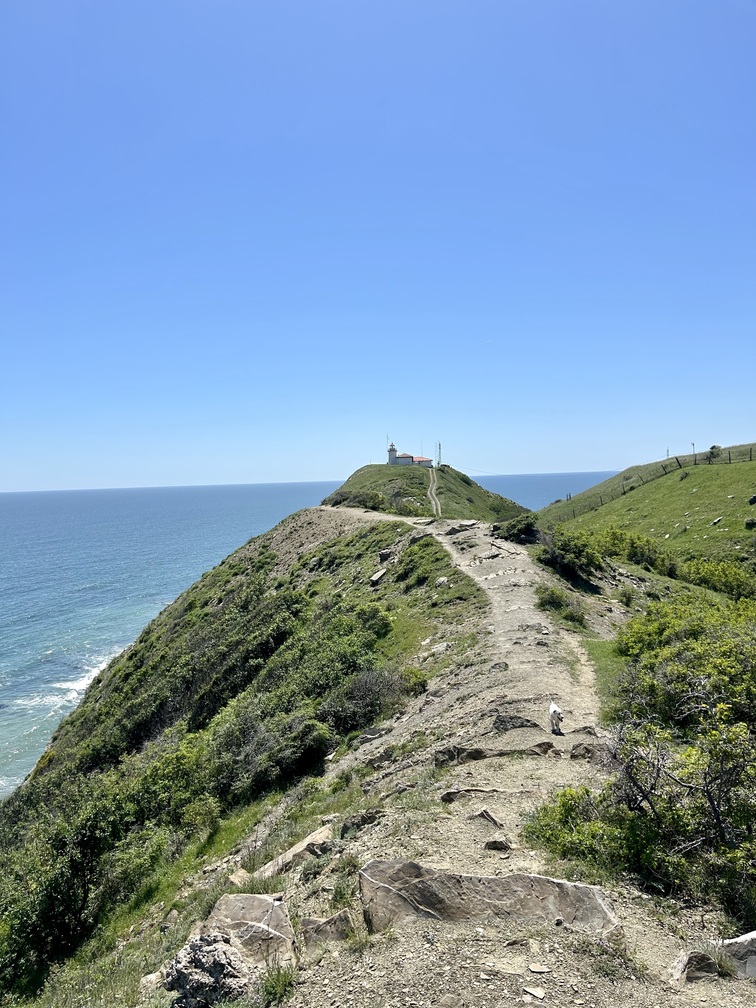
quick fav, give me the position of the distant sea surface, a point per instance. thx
(82, 571)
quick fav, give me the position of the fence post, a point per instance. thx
(729, 456)
(678, 461)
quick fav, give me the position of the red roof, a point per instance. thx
(420, 458)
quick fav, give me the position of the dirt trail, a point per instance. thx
(432, 495)
(520, 660)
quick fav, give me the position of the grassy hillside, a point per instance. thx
(636, 477)
(236, 690)
(679, 681)
(403, 490)
(697, 512)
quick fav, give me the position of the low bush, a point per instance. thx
(559, 601)
(574, 555)
(277, 985)
(679, 811)
(521, 529)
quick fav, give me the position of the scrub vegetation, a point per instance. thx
(679, 688)
(238, 689)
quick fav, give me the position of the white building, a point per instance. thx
(405, 459)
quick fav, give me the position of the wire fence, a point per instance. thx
(630, 480)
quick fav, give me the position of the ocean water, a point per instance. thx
(82, 571)
(536, 490)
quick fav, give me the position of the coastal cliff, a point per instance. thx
(344, 724)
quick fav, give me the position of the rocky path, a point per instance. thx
(449, 783)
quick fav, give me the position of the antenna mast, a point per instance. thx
(438, 454)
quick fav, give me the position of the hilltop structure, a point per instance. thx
(404, 459)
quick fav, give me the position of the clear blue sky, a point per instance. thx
(245, 240)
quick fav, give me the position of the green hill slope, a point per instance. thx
(635, 477)
(235, 690)
(697, 512)
(403, 490)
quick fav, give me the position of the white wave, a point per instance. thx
(8, 784)
(51, 700)
(93, 666)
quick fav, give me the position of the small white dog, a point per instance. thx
(556, 717)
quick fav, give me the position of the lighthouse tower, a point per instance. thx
(392, 454)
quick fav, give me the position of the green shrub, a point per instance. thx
(626, 595)
(679, 811)
(559, 601)
(572, 827)
(362, 699)
(720, 575)
(414, 681)
(277, 985)
(571, 554)
(637, 549)
(520, 529)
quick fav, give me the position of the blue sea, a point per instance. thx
(82, 571)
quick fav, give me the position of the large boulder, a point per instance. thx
(260, 926)
(694, 965)
(393, 890)
(209, 969)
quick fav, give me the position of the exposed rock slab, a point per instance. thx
(314, 845)
(455, 793)
(209, 969)
(454, 754)
(595, 752)
(488, 817)
(393, 890)
(508, 722)
(741, 952)
(240, 877)
(498, 843)
(259, 924)
(354, 823)
(317, 932)
(463, 526)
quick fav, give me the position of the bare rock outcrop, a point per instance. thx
(260, 926)
(694, 966)
(456, 754)
(393, 890)
(209, 969)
